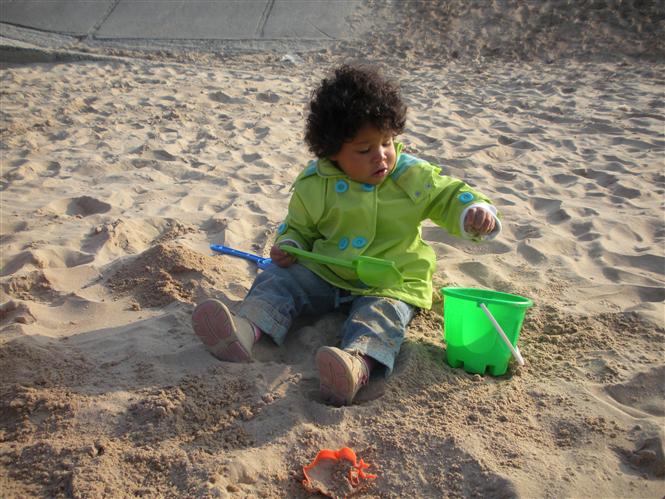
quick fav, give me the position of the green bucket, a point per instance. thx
(481, 328)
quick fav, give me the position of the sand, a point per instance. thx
(118, 173)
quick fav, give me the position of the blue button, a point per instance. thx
(341, 186)
(343, 243)
(368, 187)
(282, 228)
(359, 242)
(465, 197)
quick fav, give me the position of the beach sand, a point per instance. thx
(117, 175)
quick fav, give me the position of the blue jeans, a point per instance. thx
(375, 325)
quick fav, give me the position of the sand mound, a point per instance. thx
(162, 274)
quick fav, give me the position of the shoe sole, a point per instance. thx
(335, 377)
(214, 326)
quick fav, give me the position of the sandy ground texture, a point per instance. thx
(118, 174)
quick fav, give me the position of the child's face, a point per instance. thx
(369, 157)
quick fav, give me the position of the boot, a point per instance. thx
(341, 375)
(224, 335)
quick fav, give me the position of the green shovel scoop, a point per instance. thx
(375, 272)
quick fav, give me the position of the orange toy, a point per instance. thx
(356, 471)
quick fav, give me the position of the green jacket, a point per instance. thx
(333, 215)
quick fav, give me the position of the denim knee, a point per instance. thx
(376, 327)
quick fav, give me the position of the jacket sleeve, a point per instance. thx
(299, 227)
(450, 201)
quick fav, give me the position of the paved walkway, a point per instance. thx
(184, 19)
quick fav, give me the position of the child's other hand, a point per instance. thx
(281, 258)
(479, 222)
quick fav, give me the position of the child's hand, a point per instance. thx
(281, 258)
(479, 222)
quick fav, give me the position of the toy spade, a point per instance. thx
(374, 272)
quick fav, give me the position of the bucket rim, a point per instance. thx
(498, 298)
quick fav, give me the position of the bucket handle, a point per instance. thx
(513, 349)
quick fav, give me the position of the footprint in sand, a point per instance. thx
(12, 230)
(644, 392)
(648, 457)
(602, 178)
(23, 259)
(26, 170)
(52, 169)
(118, 237)
(503, 175)
(564, 180)
(44, 258)
(653, 294)
(261, 132)
(61, 135)
(86, 206)
(643, 396)
(164, 155)
(530, 254)
(527, 231)
(554, 214)
(81, 206)
(18, 312)
(223, 98)
(32, 286)
(584, 231)
(144, 163)
(250, 158)
(506, 141)
(505, 201)
(625, 192)
(270, 97)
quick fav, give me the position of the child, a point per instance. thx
(362, 196)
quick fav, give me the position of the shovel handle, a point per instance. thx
(317, 257)
(514, 350)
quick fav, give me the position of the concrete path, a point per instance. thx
(184, 19)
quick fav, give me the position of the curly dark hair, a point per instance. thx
(351, 98)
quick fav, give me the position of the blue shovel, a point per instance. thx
(261, 262)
